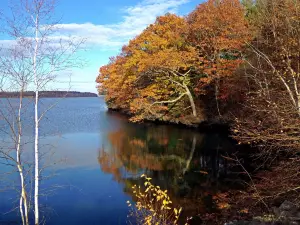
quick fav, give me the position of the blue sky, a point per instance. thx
(106, 25)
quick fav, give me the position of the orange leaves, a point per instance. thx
(117, 81)
(175, 54)
(219, 23)
(220, 31)
(159, 49)
(163, 44)
(221, 200)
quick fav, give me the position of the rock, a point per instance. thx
(288, 206)
(286, 214)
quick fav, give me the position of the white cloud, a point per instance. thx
(113, 36)
(135, 19)
(109, 37)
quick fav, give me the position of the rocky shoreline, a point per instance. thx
(286, 214)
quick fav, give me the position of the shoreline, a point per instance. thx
(203, 126)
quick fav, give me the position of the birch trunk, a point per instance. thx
(36, 159)
(189, 94)
(36, 135)
(23, 197)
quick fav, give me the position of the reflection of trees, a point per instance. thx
(191, 155)
(184, 162)
(134, 153)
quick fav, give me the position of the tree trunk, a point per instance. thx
(36, 137)
(216, 96)
(23, 197)
(36, 159)
(290, 92)
(189, 94)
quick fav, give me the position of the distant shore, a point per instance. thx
(48, 94)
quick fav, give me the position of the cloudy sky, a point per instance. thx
(106, 25)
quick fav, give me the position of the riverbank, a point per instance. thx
(203, 125)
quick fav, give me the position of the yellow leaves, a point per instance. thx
(175, 211)
(155, 202)
(158, 197)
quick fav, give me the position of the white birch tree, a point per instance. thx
(46, 55)
(15, 77)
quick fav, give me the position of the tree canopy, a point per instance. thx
(162, 71)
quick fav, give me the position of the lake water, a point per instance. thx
(98, 156)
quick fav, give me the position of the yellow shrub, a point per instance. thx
(153, 206)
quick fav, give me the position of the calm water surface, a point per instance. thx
(98, 156)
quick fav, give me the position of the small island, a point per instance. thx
(48, 94)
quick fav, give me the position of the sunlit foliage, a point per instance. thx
(153, 205)
(160, 73)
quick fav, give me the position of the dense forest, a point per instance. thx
(48, 94)
(229, 61)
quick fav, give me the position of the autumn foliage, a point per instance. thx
(232, 60)
(228, 60)
(272, 78)
(162, 72)
(219, 32)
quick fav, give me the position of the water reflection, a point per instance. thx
(188, 164)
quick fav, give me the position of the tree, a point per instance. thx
(162, 71)
(114, 81)
(154, 71)
(251, 9)
(272, 74)
(219, 31)
(165, 63)
(33, 29)
(270, 116)
(15, 76)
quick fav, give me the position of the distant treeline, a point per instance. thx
(48, 94)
